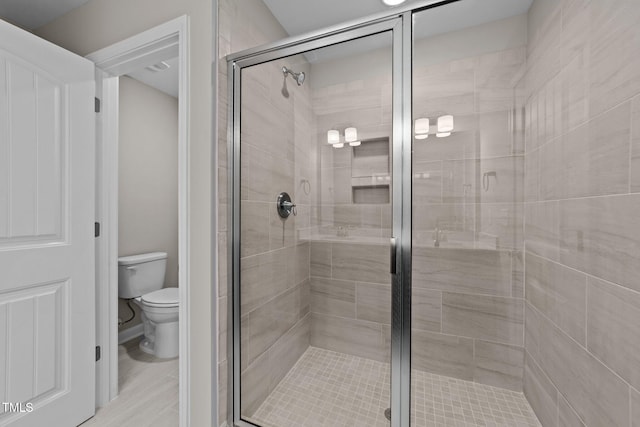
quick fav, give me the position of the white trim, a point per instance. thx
(107, 243)
(115, 60)
(131, 333)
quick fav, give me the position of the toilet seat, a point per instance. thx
(167, 297)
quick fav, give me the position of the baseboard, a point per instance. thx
(131, 333)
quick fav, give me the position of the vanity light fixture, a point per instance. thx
(444, 127)
(445, 124)
(350, 137)
(392, 2)
(421, 128)
(333, 137)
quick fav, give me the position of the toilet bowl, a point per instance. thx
(141, 277)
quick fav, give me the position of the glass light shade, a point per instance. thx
(351, 134)
(392, 2)
(338, 145)
(421, 127)
(355, 143)
(445, 124)
(423, 136)
(443, 134)
(333, 136)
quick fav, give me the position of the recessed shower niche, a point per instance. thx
(370, 172)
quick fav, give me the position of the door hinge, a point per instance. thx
(96, 229)
(98, 353)
(97, 105)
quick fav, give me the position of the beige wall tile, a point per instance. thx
(320, 259)
(491, 318)
(614, 54)
(498, 365)
(600, 235)
(532, 331)
(427, 182)
(271, 320)
(595, 157)
(574, 80)
(426, 309)
(222, 305)
(301, 263)
(551, 170)
(462, 270)
(635, 146)
(442, 354)
(254, 228)
(566, 415)
(517, 274)
(255, 385)
(540, 393)
(361, 262)
(287, 350)
(496, 133)
(373, 302)
(262, 278)
(559, 293)
(635, 407)
(223, 374)
(450, 91)
(541, 229)
(356, 337)
(613, 327)
(333, 297)
(598, 396)
(504, 222)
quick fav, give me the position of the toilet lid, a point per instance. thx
(167, 297)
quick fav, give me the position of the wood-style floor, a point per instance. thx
(148, 392)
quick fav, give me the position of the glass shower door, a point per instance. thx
(468, 165)
(313, 131)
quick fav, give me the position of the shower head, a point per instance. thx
(298, 77)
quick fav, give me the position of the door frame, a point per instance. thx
(111, 63)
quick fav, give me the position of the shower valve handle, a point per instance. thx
(285, 206)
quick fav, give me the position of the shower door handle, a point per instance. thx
(393, 252)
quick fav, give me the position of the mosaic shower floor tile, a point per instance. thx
(329, 389)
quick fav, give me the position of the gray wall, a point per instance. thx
(582, 227)
(147, 178)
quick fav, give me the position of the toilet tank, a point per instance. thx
(141, 274)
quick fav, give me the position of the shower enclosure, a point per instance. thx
(377, 224)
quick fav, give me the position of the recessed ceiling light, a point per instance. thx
(392, 2)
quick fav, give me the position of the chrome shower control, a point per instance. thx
(285, 206)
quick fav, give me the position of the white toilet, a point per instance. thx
(140, 277)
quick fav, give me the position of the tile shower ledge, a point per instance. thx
(486, 242)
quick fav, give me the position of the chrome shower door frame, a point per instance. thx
(399, 22)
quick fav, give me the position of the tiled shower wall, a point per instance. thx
(468, 293)
(582, 222)
(277, 153)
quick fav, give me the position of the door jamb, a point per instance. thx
(112, 62)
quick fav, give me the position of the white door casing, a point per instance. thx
(47, 164)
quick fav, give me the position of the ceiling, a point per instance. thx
(165, 81)
(31, 14)
(319, 14)
(297, 17)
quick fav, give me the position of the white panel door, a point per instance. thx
(47, 323)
